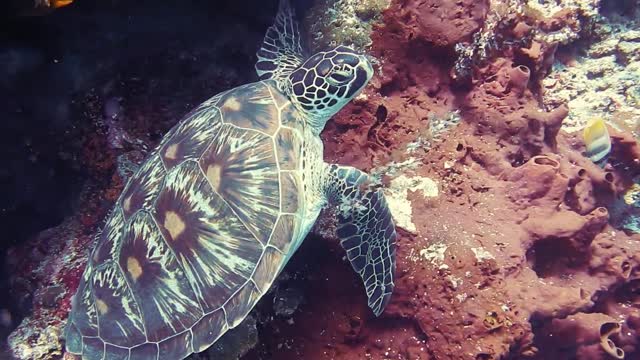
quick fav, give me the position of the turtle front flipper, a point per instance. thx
(366, 231)
(281, 51)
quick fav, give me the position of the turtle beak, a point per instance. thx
(368, 68)
(365, 71)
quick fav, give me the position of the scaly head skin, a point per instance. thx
(326, 82)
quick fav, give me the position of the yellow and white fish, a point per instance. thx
(597, 141)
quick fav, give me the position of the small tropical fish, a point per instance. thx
(597, 141)
(60, 3)
(36, 7)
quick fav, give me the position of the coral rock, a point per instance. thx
(538, 182)
(444, 23)
(591, 336)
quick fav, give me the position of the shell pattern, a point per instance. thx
(199, 233)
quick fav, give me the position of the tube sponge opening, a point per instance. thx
(606, 330)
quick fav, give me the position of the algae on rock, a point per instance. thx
(520, 23)
(602, 80)
(343, 22)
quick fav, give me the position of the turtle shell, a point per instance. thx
(199, 233)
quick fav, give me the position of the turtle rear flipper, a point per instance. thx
(366, 231)
(281, 51)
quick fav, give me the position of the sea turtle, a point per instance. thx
(211, 217)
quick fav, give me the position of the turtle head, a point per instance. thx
(327, 81)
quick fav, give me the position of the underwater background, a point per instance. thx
(505, 133)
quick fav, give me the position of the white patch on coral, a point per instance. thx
(482, 254)
(361, 97)
(437, 126)
(455, 281)
(394, 168)
(435, 254)
(397, 197)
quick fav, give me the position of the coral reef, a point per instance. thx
(48, 277)
(512, 244)
(516, 239)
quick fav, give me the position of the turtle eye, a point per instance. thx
(340, 76)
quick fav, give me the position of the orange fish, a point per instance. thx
(60, 3)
